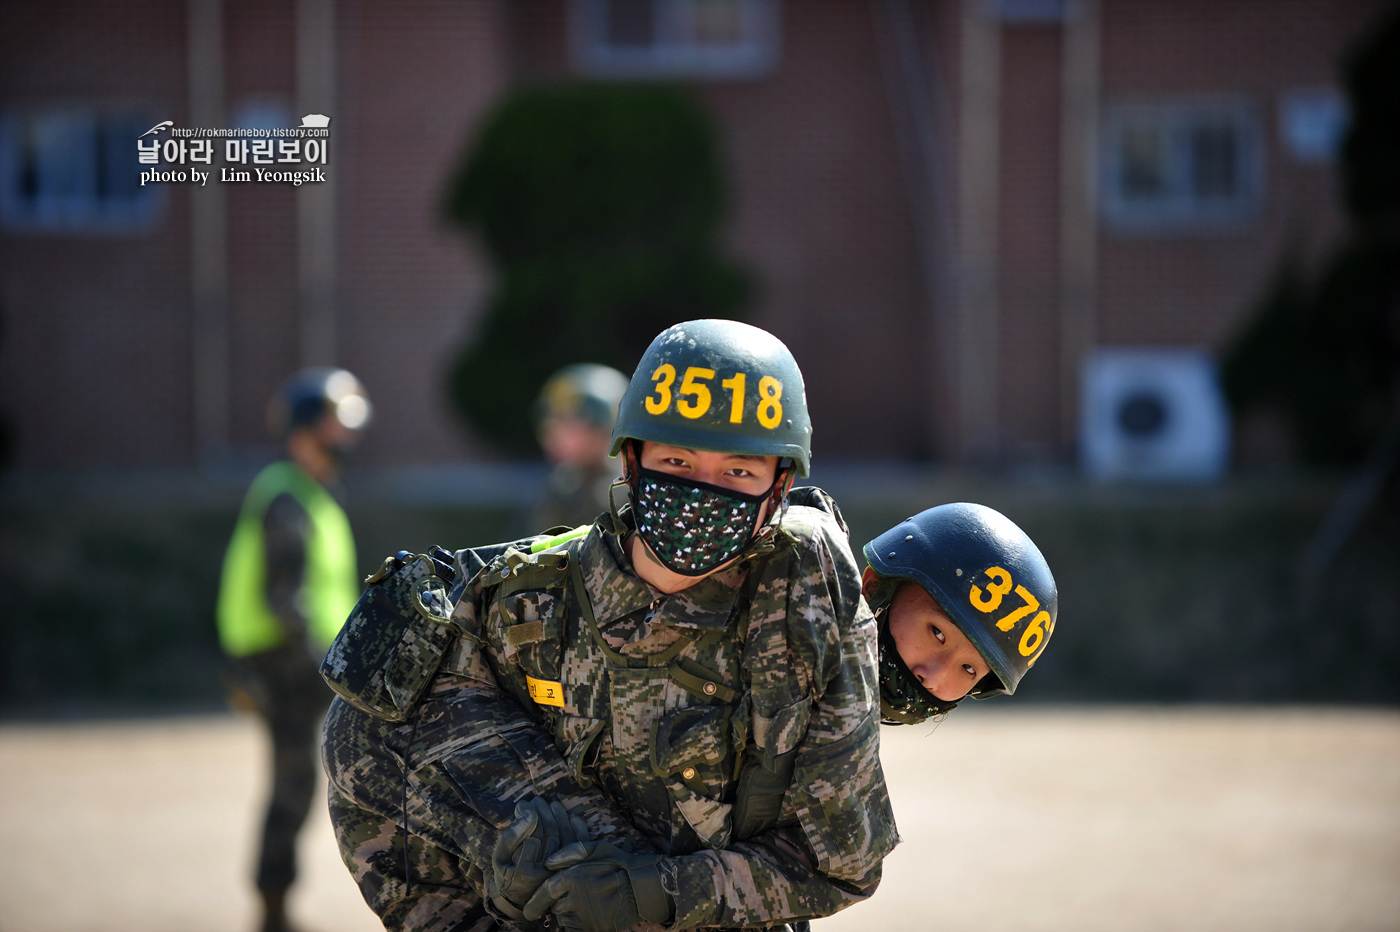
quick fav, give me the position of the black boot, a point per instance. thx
(275, 911)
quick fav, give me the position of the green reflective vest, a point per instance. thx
(330, 587)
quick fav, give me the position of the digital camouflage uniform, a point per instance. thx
(656, 725)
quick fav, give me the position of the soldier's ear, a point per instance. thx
(631, 459)
(869, 582)
(787, 475)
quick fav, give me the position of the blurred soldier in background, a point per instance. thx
(289, 579)
(574, 417)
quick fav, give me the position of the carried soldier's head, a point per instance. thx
(965, 604)
(713, 428)
(575, 413)
(319, 414)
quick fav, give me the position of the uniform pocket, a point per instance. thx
(839, 797)
(534, 632)
(578, 738)
(492, 776)
(691, 752)
(393, 642)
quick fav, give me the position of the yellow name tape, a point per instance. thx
(545, 692)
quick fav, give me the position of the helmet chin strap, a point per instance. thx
(631, 475)
(619, 525)
(782, 484)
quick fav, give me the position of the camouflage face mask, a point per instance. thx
(693, 527)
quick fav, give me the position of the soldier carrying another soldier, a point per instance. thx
(683, 699)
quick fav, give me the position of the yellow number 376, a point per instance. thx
(693, 396)
(989, 600)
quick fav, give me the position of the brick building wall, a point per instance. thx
(1196, 289)
(822, 213)
(97, 340)
(411, 288)
(260, 69)
(819, 213)
(1028, 295)
(412, 80)
(96, 347)
(95, 327)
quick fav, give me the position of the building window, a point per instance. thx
(1033, 12)
(1180, 167)
(1312, 123)
(73, 170)
(728, 39)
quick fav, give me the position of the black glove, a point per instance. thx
(759, 798)
(540, 829)
(601, 888)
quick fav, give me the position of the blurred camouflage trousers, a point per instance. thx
(453, 797)
(410, 882)
(291, 699)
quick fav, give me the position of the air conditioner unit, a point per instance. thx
(1152, 414)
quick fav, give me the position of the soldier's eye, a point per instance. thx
(938, 633)
(968, 668)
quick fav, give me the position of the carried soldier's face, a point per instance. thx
(931, 646)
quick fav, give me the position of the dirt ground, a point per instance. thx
(1035, 820)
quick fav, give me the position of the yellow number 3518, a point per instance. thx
(989, 600)
(693, 396)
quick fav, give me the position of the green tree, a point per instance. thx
(600, 207)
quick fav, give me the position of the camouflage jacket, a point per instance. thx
(668, 704)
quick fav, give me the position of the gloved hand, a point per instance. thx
(541, 828)
(601, 888)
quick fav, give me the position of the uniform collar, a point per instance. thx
(616, 590)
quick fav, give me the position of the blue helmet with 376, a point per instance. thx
(987, 576)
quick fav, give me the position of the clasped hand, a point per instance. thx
(544, 863)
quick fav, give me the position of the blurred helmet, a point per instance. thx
(586, 391)
(718, 385)
(312, 394)
(986, 575)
